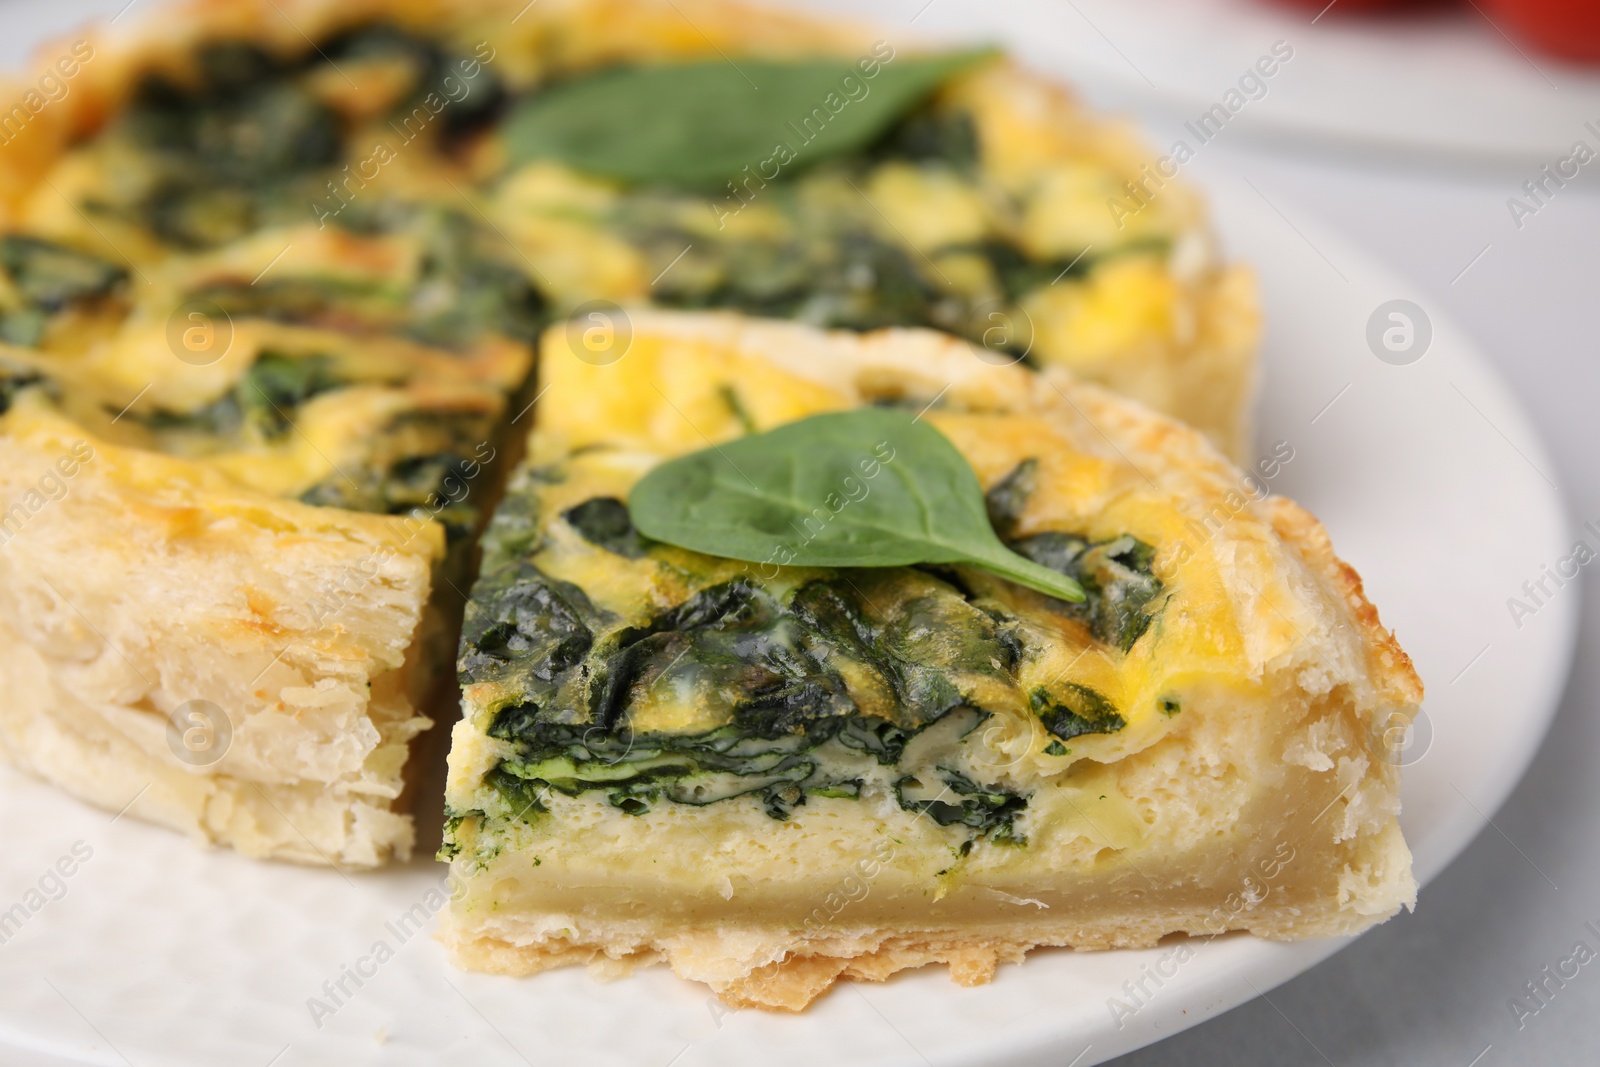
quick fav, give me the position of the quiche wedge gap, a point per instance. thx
(775, 777)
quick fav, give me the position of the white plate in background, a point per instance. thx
(1443, 84)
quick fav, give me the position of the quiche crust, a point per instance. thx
(1265, 804)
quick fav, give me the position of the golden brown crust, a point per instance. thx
(1391, 666)
(794, 982)
(1151, 445)
(99, 646)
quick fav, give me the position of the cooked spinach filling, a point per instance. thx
(604, 522)
(1075, 710)
(51, 276)
(1116, 574)
(46, 278)
(862, 678)
(402, 487)
(241, 149)
(772, 667)
(469, 286)
(828, 259)
(261, 405)
(466, 288)
(828, 757)
(849, 280)
(329, 303)
(1007, 499)
(432, 461)
(14, 381)
(429, 64)
(952, 797)
(420, 459)
(527, 628)
(931, 135)
(831, 267)
(814, 694)
(248, 142)
(276, 386)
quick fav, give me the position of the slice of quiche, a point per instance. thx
(245, 668)
(245, 455)
(773, 777)
(229, 591)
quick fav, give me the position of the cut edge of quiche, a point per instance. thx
(960, 770)
(308, 629)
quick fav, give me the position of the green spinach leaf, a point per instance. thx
(700, 124)
(868, 488)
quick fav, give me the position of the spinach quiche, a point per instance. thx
(271, 277)
(774, 776)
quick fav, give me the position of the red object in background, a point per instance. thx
(1566, 28)
(1351, 7)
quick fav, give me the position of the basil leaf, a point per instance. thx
(700, 124)
(866, 488)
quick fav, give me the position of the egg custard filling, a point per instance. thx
(672, 754)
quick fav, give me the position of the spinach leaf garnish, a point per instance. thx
(868, 488)
(700, 124)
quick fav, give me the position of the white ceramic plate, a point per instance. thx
(1433, 485)
(1427, 475)
(1443, 83)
